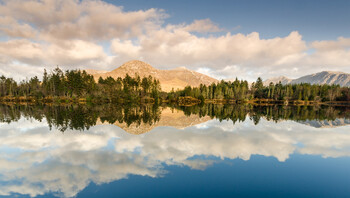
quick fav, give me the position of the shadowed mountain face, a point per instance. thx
(325, 77)
(177, 78)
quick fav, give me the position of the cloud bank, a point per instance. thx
(98, 35)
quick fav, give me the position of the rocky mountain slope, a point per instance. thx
(325, 77)
(177, 78)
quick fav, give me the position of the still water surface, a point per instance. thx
(208, 151)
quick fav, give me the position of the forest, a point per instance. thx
(78, 86)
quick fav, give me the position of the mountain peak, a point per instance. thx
(136, 65)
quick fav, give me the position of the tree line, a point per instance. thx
(241, 91)
(77, 84)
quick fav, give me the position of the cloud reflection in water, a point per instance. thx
(36, 161)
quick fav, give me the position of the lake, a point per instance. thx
(170, 151)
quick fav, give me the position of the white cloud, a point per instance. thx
(229, 72)
(202, 26)
(74, 52)
(340, 44)
(125, 48)
(17, 54)
(22, 50)
(11, 27)
(72, 19)
(181, 47)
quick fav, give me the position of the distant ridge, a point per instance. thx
(177, 78)
(325, 77)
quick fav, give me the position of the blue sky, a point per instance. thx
(223, 39)
(314, 19)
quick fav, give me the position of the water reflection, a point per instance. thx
(139, 119)
(36, 161)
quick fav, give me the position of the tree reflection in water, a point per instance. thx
(82, 117)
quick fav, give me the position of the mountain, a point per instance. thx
(325, 77)
(177, 78)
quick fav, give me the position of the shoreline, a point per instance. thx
(181, 101)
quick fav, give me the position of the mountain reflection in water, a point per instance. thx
(36, 159)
